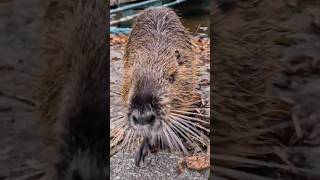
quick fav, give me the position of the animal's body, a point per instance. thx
(159, 83)
(72, 95)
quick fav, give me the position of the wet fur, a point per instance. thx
(72, 90)
(158, 47)
(144, 48)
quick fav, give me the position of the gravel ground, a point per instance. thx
(159, 166)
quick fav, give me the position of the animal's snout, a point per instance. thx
(143, 118)
(143, 104)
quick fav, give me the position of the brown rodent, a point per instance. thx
(159, 83)
(72, 95)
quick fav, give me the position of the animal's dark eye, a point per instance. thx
(178, 57)
(177, 54)
(172, 78)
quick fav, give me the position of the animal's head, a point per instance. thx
(159, 83)
(158, 86)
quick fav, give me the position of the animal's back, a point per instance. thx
(156, 34)
(156, 28)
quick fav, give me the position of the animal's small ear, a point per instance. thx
(178, 57)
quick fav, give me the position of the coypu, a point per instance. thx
(158, 88)
(72, 90)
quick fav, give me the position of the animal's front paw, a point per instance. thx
(141, 153)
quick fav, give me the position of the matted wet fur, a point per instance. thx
(71, 98)
(158, 88)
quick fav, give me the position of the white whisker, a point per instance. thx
(191, 123)
(117, 117)
(178, 127)
(196, 134)
(167, 137)
(177, 139)
(126, 139)
(191, 113)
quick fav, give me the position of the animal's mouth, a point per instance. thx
(144, 120)
(146, 129)
(149, 120)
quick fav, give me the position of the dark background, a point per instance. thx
(265, 100)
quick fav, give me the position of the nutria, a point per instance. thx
(72, 90)
(158, 88)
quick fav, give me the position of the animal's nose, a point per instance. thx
(143, 118)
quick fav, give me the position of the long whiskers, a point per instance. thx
(191, 113)
(190, 118)
(178, 128)
(192, 131)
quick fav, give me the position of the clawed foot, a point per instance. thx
(142, 152)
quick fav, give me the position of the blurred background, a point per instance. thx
(194, 14)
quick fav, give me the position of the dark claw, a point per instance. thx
(142, 152)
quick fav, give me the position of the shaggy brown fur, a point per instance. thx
(157, 36)
(72, 90)
(159, 62)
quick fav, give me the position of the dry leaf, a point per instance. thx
(198, 162)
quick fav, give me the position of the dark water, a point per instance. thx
(194, 15)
